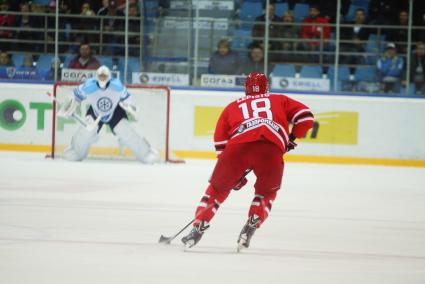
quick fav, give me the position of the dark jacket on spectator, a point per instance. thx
(91, 64)
(247, 66)
(274, 30)
(223, 64)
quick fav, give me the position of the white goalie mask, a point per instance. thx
(103, 76)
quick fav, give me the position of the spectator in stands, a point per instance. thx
(84, 60)
(329, 8)
(28, 61)
(112, 24)
(399, 35)
(289, 33)
(87, 24)
(258, 31)
(383, 12)
(417, 68)
(317, 31)
(354, 37)
(25, 23)
(104, 9)
(254, 62)
(419, 20)
(134, 27)
(223, 60)
(390, 69)
(6, 21)
(86, 9)
(5, 60)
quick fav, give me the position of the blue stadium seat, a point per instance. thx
(280, 8)
(151, 8)
(365, 74)
(17, 59)
(68, 58)
(311, 72)
(250, 10)
(284, 70)
(134, 65)
(44, 62)
(105, 60)
(41, 2)
(300, 11)
(343, 73)
(241, 39)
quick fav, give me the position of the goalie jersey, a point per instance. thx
(103, 101)
(262, 117)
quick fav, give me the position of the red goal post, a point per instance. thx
(153, 123)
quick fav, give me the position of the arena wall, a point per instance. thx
(348, 129)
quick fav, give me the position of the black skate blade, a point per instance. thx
(164, 240)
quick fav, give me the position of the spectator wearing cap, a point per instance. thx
(84, 60)
(223, 60)
(390, 69)
(417, 68)
(316, 30)
(114, 43)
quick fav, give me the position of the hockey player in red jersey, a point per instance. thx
(252, 133)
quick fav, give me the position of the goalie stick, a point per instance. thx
(88, 126)
(167, 240)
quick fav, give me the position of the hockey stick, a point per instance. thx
(167, 240)
(88, 126)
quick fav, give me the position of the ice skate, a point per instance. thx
(195, 234)
(247, 232)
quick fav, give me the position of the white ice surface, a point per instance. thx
(100, 221)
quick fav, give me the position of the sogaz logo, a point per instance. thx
(12, 115)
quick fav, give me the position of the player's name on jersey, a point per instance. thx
(163, 79)
(80, 75)
(301, 84)
(222, 81)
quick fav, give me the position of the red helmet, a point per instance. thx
(256, 83)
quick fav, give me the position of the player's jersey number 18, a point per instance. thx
(257, 106)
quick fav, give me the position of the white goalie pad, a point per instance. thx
(137, 144)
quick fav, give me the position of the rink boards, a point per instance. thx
(348, 129)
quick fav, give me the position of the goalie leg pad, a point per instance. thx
(138, 145)
(80, 144)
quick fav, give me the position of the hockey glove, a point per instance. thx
(68, 108)
(291, 144)
(131, 109)
(240, 183)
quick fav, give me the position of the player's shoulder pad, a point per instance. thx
(90, 86)
(116, 85)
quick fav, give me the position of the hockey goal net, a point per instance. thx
(152, 123)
